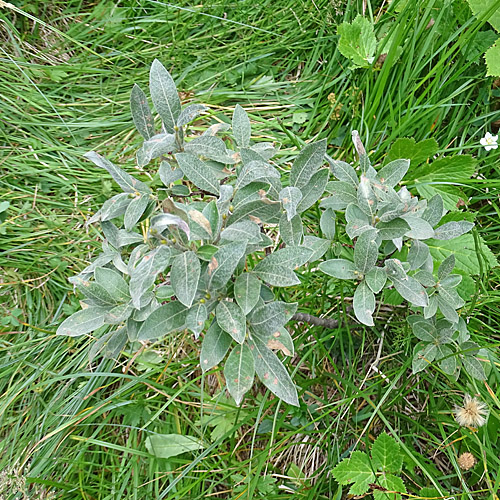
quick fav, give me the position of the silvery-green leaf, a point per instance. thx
(282, 341)
(291, 232)
(184, 276)
(257, 170)
(313, 190)
(146, 308)
(113, 282)
(420, 229)
(289, 256)
(333, 202)
(166, 319)
(196, 317)
(231, 319)
(364, 304)
(309, 160)
(424, 330)
(251, 192)
(452, 230)
(265, 149)
(375, 279)
(391, 212)
(431, 309)
(141, 114)
(425, 278)
(272, 373)
(211, 213)
(366, 198)
(474, 367)
(409, 288)
(418, 254)
(343, 172)
(241, 127)
(168, 175)
(393, 172)
(212, 148)
(224, 262)
(319, 246)
(276, 275)
(243, 230)
(215, 345)
(128, 183)
(198, 172)
(135, 210)
(119, 314)
(171, 445)
(357, 221)
(216, 128)
(85, 321)
(126, 238)
(339, 268)
(111, 233)
(451, 297)
(239, 372)
(164, 94)
(398, 243)
(156, 146)
(446, 267)
(247, 291)
(327, 223)
(366, 251)
(290, 198)
(396, 228)
(98, 346)
(115, 343)
(451, 281)
(264, 211)
(269, 318)
(95, 292)
(249, 154)
(423, 356)
(115, 206)
(135, 256)
(434, 211)
(224, 200)
(447, 361)
(342, 191)
(143, 276)
(189, 113)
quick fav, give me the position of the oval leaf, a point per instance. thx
(231, 319)
(184, 277)
(239, 371)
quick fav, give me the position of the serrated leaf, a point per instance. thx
(231, 318)
(453, 229)
(85, 321)
(241, 127)
(171, 445)
(196, 317)
(135, 211)
(239, 372)
(272, 373)
(327, 223)
(309, 160)
(276, 275)
(313, 190)
(364, 304)
(343, 172)
(395, 228)
(166, 319)
(269, 318)
(215, 345)
(291, 231)
(366, 251)
(247, 291)
(114, 283)
(243, 230)
(319, 246)
(357, 41)
(375, 279)
(417, 153)
(492, 58)
(480, 7)
(356, 469)
(184, 276)
(418, 254)
(408, 287)
(164, 95)
(392, 484)
(224, 262)
(189, 113)
(339, 268)
(386, 455)
(198, 172)
(128, 183)
(141, 114)
(367, 201)
(290, 198)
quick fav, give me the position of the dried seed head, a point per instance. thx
(466, 461)
(472, 413)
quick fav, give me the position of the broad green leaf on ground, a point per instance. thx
(164, 95)
(247, 291)
(198, 172)
(241, 127)
(313, 190)
(392, 484)
(364, 304)
(357, 41)
(416, 152)
(309, 160)
(386, 455)
(85, 321)
(355, 469)
(128, 183)
(141, 114)
(166, 319)
(492, 58)
(477, 45)
(215, 345)
(481, 7)
(231, 318)
(224, 262)
(184, 276)
(239, 372)
(272, 372)
(171, 445)
(290, 198)
(465, 253)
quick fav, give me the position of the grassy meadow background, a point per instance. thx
(73, 431)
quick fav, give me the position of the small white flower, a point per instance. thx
(489, 141)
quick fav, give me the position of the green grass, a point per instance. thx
(76, 432)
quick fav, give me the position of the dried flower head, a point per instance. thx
(472, 413)
(466, 461)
